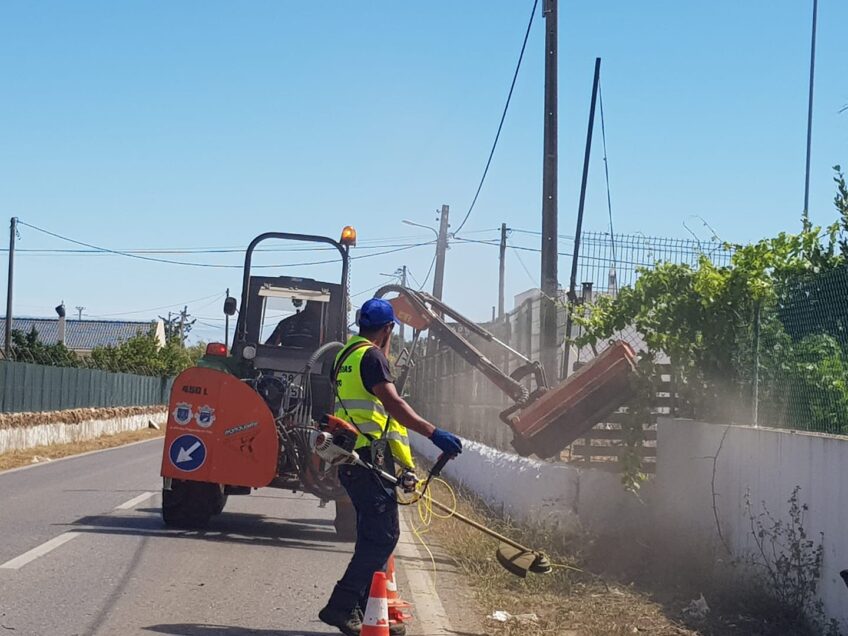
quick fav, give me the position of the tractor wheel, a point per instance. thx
(345, 522)
(190, 504)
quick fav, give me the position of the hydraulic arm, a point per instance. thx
(546, 419)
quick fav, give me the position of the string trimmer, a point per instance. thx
(334, 443)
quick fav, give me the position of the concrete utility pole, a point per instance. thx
(502, 272)
(13, 232)
(183, 316)
(79, 309)
(402, 282)
(441, 249)
(550, 284)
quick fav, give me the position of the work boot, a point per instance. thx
(397, 629)
(347, 622)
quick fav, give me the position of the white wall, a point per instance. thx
(769, 463)
(21, 438)
(537, 492)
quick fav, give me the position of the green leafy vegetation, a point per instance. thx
(790, 289)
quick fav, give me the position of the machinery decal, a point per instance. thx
(182, 413)
(241, 428)
(205, 416)
(187, 453)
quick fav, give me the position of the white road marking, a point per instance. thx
(27, 557)
(429, 610)
(132, 503)
(64, 459)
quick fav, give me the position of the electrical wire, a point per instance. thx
(503, 117)
(606, 171)
(429, 271)
(106, 250)
(143, 311)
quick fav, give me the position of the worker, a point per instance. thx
(303, 329)
(368, 398)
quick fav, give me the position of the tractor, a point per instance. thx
(243, 417)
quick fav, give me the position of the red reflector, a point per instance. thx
(216, 349)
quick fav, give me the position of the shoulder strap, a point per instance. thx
(346, 354)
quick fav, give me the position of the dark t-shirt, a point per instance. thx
(374, 369)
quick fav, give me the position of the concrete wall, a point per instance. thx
(552, 494)
(59, 432)
(768, 463)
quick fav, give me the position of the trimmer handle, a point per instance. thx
(444, 458)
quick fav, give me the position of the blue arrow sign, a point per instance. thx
(187, 453)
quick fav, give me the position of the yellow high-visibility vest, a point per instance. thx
(355, 402)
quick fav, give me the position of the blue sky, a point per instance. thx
(201, 124)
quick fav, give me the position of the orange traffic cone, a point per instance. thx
(396, 604)
(376, 619)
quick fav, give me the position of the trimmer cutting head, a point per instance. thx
(520, 562)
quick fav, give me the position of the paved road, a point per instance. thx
(84, 552)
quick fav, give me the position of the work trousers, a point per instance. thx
(377, 533)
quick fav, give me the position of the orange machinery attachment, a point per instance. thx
(544, 419)
(560, 415)
(219, 431)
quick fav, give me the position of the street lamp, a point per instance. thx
(426, 227)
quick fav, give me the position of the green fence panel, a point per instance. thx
(28, 387)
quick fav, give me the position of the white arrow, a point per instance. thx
(185, 455)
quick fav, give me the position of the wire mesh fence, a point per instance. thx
(611, 262)
(800, 373)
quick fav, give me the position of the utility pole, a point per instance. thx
(403, 283)
(79, 309)
(13, 232)
(550, 284)
(441, 249)
(227, 325)
(806, 214)
(572, 286)
(502, 272)
(183, 316)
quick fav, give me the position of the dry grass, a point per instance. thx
(74, 416)
(14, 459)
(569, 603)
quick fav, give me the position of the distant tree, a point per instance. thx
(172, 327)
(144, 355)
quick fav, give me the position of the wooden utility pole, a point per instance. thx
(572, 286)
(227, 325)
(441, 250)
(13, 232)
(502, 272)
(549, 281)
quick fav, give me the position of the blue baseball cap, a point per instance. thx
(376, 313)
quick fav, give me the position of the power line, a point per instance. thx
(142, 311)
(106, 250)
(503, 117)
(606, 170)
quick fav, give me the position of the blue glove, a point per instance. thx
(447, 442)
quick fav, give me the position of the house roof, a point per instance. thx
(82, 335)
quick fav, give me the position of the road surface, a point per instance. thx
(84, 552)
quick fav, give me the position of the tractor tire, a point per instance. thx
(345, 521)
(190, 504)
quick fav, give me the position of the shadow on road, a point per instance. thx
(235, 528)
(191, 629)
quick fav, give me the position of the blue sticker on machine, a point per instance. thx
(187, 453)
